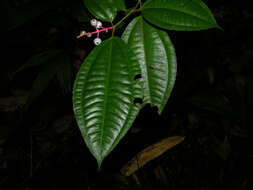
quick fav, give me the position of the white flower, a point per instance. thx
(97, 41)
(99, 24)
(83, 32)
(93, 22)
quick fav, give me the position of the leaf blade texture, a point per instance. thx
(181, 15)
(103, 97)
(105, 10)
(120, 5)
(155, 53)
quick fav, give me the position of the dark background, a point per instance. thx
(211, 105)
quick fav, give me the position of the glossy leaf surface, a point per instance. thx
(155, 54)
(104, 10)
(103, 96)
(179, 14)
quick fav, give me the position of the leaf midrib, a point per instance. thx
(128, 115)
(106, 97)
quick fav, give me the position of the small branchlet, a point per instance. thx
(99, 28)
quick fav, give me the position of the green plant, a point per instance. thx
(121, 75)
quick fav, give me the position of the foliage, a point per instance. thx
(41, 147)
(104, 96)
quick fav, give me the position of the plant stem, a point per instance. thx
(95, 32)
(125, 17)
(139, 1)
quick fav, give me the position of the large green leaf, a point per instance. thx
(105, 10)
(103, 96)
(179, 14)
(155, 54)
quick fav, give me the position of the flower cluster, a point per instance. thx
(99, 28)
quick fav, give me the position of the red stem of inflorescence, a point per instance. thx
(98, 31)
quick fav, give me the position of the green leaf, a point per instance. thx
(103, 96)
(105, 10)
(155, 54)
(179, 14)
(120, 5)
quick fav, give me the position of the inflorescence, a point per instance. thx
(99, 28)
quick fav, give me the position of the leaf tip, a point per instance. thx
(159, 111)
(220, 28)
(99, 162)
